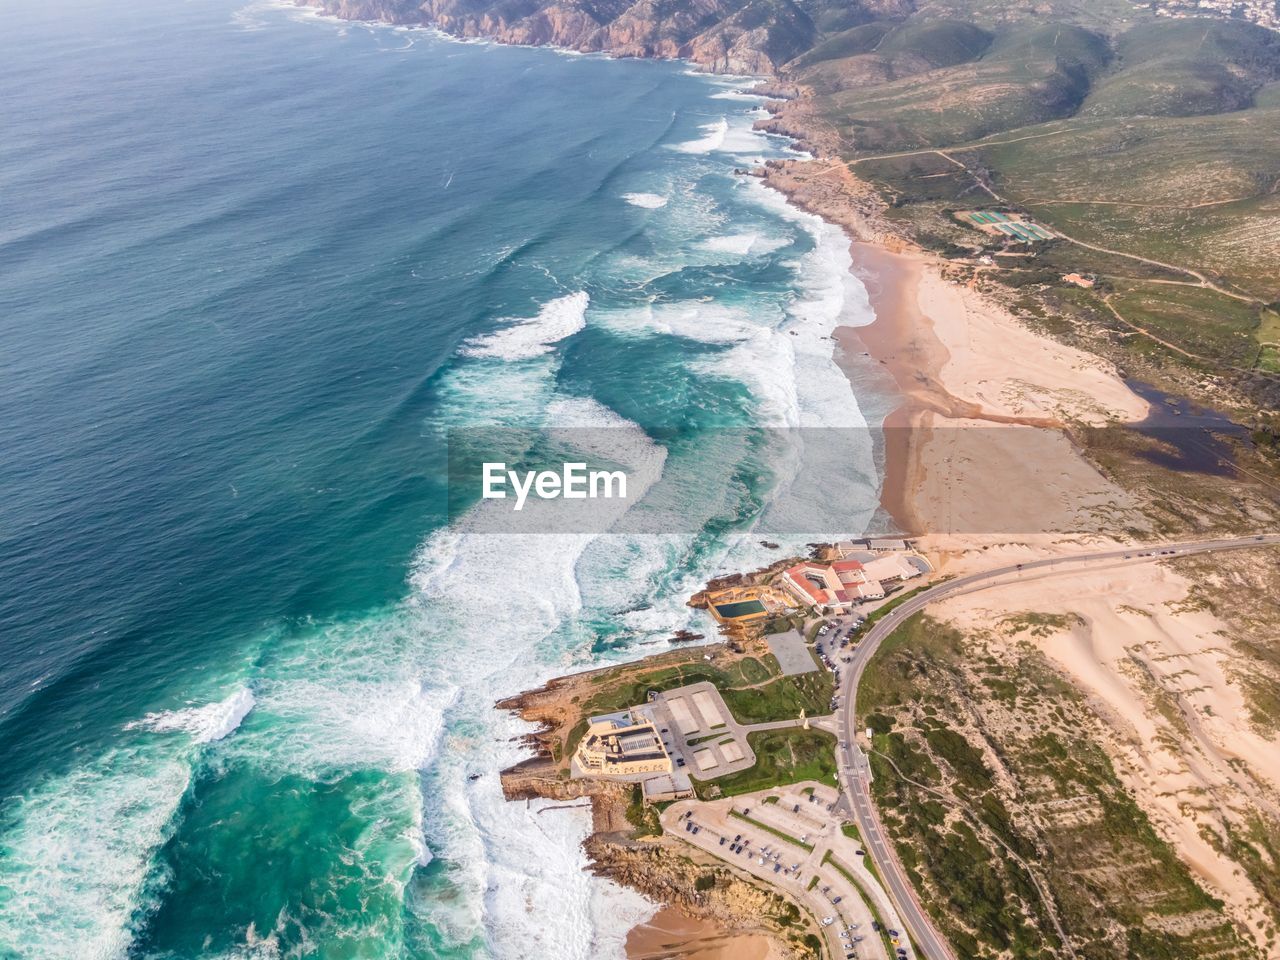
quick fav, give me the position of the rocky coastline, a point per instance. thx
(626, 847)
(661, 868)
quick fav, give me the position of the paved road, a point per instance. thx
(855, 774)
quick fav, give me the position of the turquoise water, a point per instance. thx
(254, 266)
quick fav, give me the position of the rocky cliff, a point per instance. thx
(724, 36)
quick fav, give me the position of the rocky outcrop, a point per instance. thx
(829, 189)
(724, 36)
(668, 875)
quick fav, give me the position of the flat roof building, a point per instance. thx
(621, 745)
(666, 787)
(886, 546)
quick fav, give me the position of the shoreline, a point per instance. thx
(923, 333)
(983, 400)
(891, 280)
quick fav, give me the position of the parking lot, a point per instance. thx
(789, 838)
(699, 731)
(791, 652)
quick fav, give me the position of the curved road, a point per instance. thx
(855, 772)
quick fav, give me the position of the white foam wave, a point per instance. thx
(337, 722)
(738, 243)
(207, 723)
(77, 849)
(532, 337)
(740, 95)
(744, 244)
(649, 201)
(713, 138)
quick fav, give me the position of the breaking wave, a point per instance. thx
(649, 201)
(533, 337)
(713, 138)
(205, 724)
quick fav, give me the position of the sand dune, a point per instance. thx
(1157, 668)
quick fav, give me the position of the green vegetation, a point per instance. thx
(782, 756)
(643, 816)
(949, 816)
(782, 624)
(1039, 624)
(964, 85)
(1202, 322)
(1151, 137)
(781, 698)
(1181, 68)
(780, 834)
(850, 830)
(841, 869)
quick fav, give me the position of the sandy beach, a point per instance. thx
(977, 464)
(983, 403)
(672, 935)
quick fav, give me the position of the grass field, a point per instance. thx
(782, 756)
(753, 688)
(1202, 322)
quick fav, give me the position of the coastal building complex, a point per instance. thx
(621, 745)
(841, 584)
(659, 744)
(836, 586)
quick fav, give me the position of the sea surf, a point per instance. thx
(259, 267)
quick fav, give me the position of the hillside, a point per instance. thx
(1147, 142)
(727, 36)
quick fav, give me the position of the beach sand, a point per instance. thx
(672, 934)
(976, 447)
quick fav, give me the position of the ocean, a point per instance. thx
(256, 268)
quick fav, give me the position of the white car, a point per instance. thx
(828, 921)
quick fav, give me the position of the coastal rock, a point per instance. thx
(723, 36)
(706, 890)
